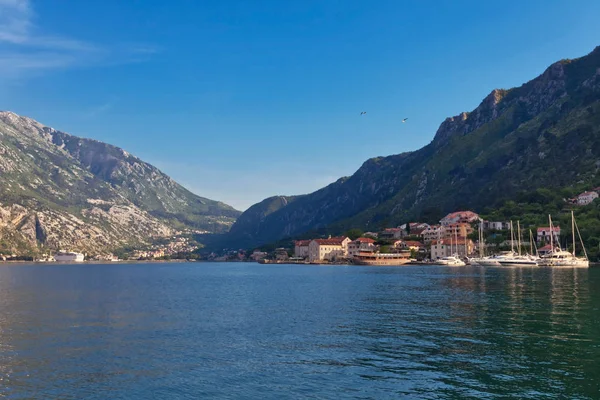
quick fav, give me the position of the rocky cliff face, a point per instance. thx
(59, 190)
(542, 134)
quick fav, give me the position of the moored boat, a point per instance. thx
(391, 259)
(452, 261)
(562, 258)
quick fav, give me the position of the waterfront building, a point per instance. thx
(361, 244)
(330, 249)
(445, 248)
(301, 248)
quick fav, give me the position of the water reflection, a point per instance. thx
(255, 331)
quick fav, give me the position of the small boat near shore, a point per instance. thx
(451, 261)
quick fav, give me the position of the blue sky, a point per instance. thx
(241, 100)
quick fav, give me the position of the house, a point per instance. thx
(409, 245)
(371, 234)
(301, 248)
(414, 229)
(391, 233)
(361, 244)
(496, 225)
(543, 234)
(258, 255)
(544, 251)
(281, 254)
(433, 232)
(329, 249)
(445, 248)
(459, 216)
(586, 198)
(460, 230)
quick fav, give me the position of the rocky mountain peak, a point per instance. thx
(86, 194)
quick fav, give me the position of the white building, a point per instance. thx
(586, 198)
(445, 248)
(543, 234)
(433, 232)
(328, 249)
(69, 256)
(301, 248)
(496, 225)
(361, 244)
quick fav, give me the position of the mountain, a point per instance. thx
(59, 190)
(545, 133)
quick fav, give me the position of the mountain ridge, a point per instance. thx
(68, 190)
(474, 158)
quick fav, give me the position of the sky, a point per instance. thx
(241, 100)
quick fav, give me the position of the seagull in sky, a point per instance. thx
(363, 112)
(404, 120)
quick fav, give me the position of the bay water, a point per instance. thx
(252, 331)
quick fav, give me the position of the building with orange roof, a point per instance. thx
(330, 249)
(459, 216)
(361, 244)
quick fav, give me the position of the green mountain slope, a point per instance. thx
(61, 190)
(545, 133)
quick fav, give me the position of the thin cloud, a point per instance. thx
(98, 110)
(24, 49)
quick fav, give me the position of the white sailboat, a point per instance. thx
(516, 259)
(454, 259)
(562, 258)
(481, 260)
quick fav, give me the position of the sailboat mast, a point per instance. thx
(512, 238)
(480, 238)
(551, 233)
(573, 229)
(519, 236)
(456, 239)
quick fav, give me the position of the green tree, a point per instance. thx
(353, 234)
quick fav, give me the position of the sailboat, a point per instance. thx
(454, 259)
(562, 258)
(481, 260)
(516, 259)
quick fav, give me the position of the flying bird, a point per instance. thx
(404, 120)
(363, 112)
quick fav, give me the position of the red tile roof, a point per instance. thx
(547, 228)
(334, 241)
(364, 240)
(413, 243)
(301, 243)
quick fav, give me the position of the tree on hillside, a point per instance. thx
(353, 234)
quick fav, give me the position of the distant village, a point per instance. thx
(423, 241)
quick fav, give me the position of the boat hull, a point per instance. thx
(382, 262)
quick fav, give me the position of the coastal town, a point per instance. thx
(456, 235)
(419, 241)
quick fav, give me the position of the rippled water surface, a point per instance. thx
(187, 331)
